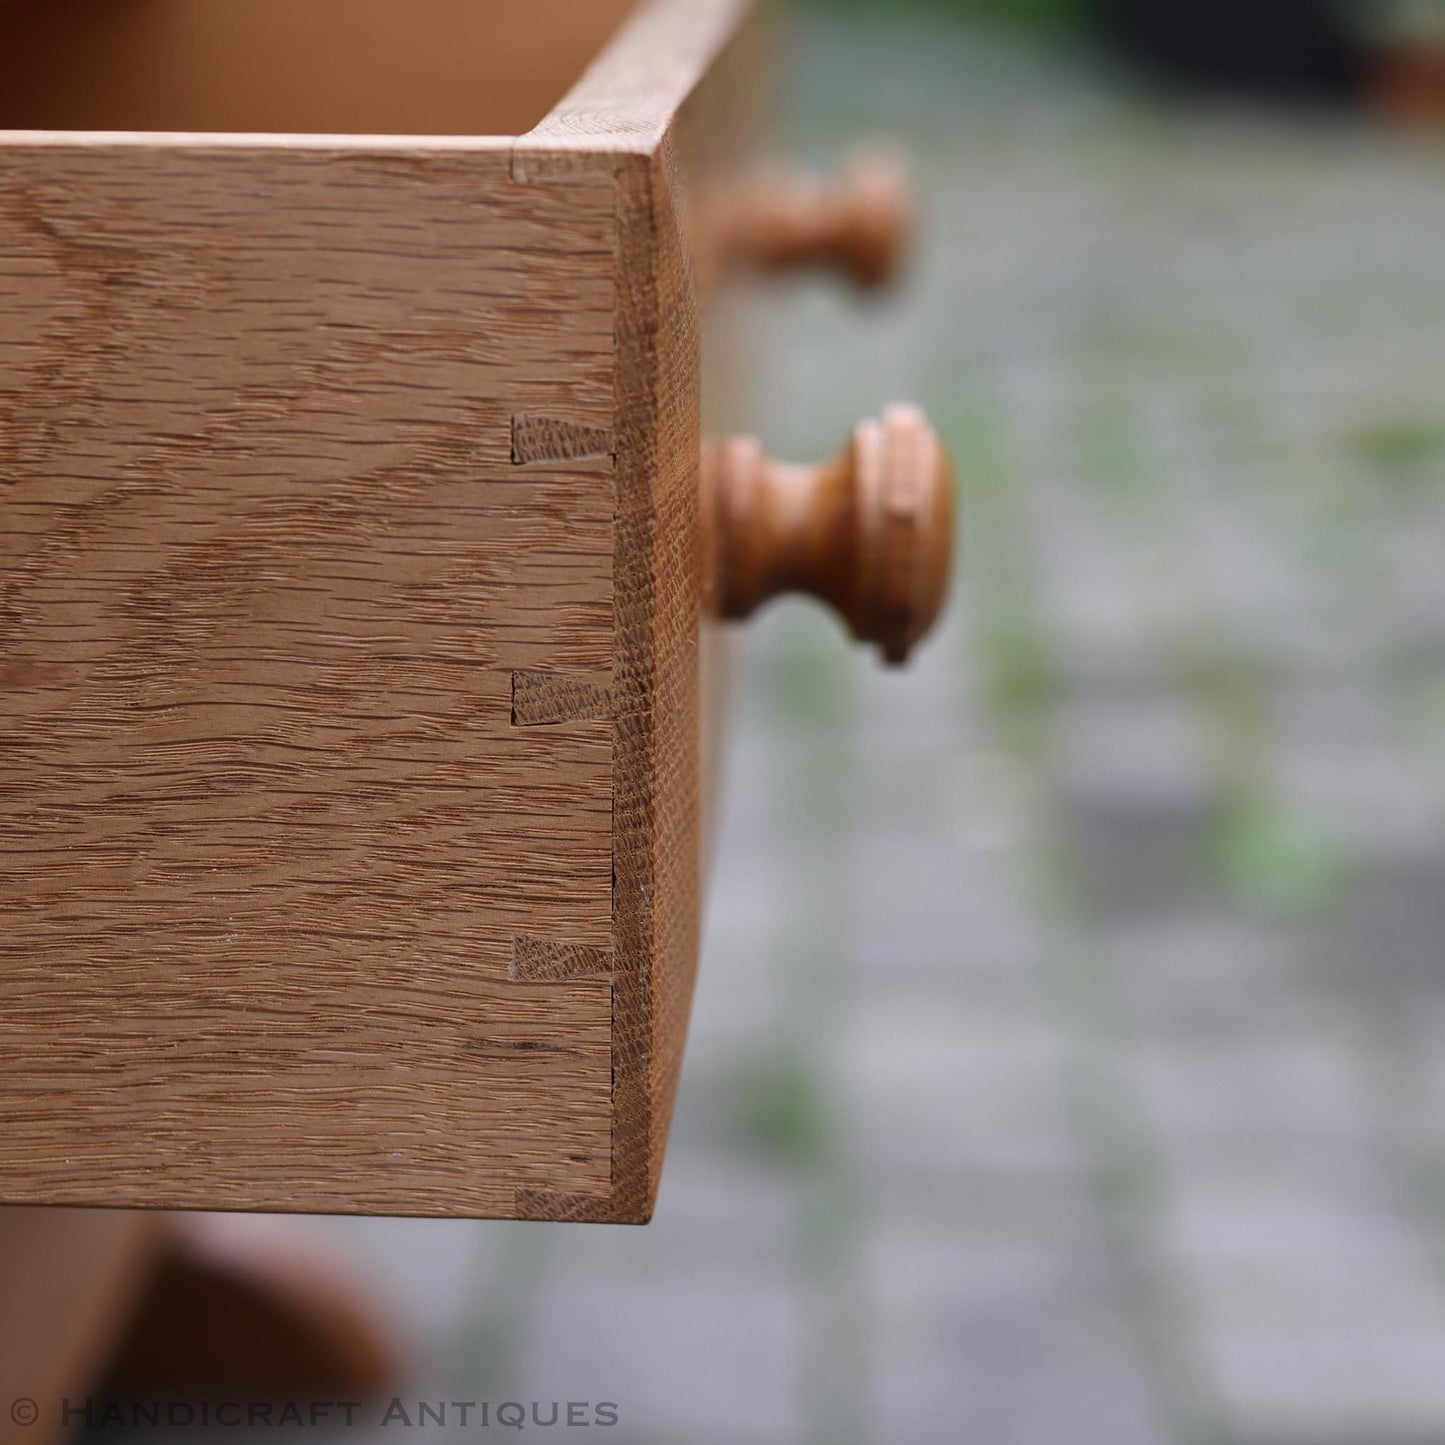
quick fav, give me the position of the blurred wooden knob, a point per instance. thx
(859, 221)
(869, 531)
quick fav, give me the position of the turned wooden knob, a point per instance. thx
(859, 221)
(869, 531)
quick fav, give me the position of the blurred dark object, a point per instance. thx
(1407, 82)
(1288, 49)
(250, 1307)
(1045, 19)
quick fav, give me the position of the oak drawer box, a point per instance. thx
(352, 596)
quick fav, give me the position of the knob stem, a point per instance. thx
(859, 222)
(869, 531)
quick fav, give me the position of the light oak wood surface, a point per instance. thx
(359, 697)
(858, 221)
(421, 67)
(870, 531)
(349, 788)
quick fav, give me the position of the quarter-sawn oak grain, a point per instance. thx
(310, 449)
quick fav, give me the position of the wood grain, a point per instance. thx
(858, 221)
(554, 439)
(870, 531)
(674, 69)
(542, 960)
(543, 699)
(267, 829)
(274, 563)
(340, 67)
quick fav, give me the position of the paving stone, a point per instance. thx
(1088, 605)
(724, 1361)
(1361, 787)
(1340, 1294)
(1134, 799)
(1000, 1339)
(1283, 1271)
(741, 995)
(927, 909)
(1294, 1083)
(1260, 601)
(425, 1271)
(1390, 933)
(1200, 975)
(724, 1218)
(1304, 1198)
(1417, 618)
(948, 1092)
(1327, 1388)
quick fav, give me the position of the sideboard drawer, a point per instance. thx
(353, 588)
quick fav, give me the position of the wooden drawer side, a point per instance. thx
(269, 828)
(350, 603)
